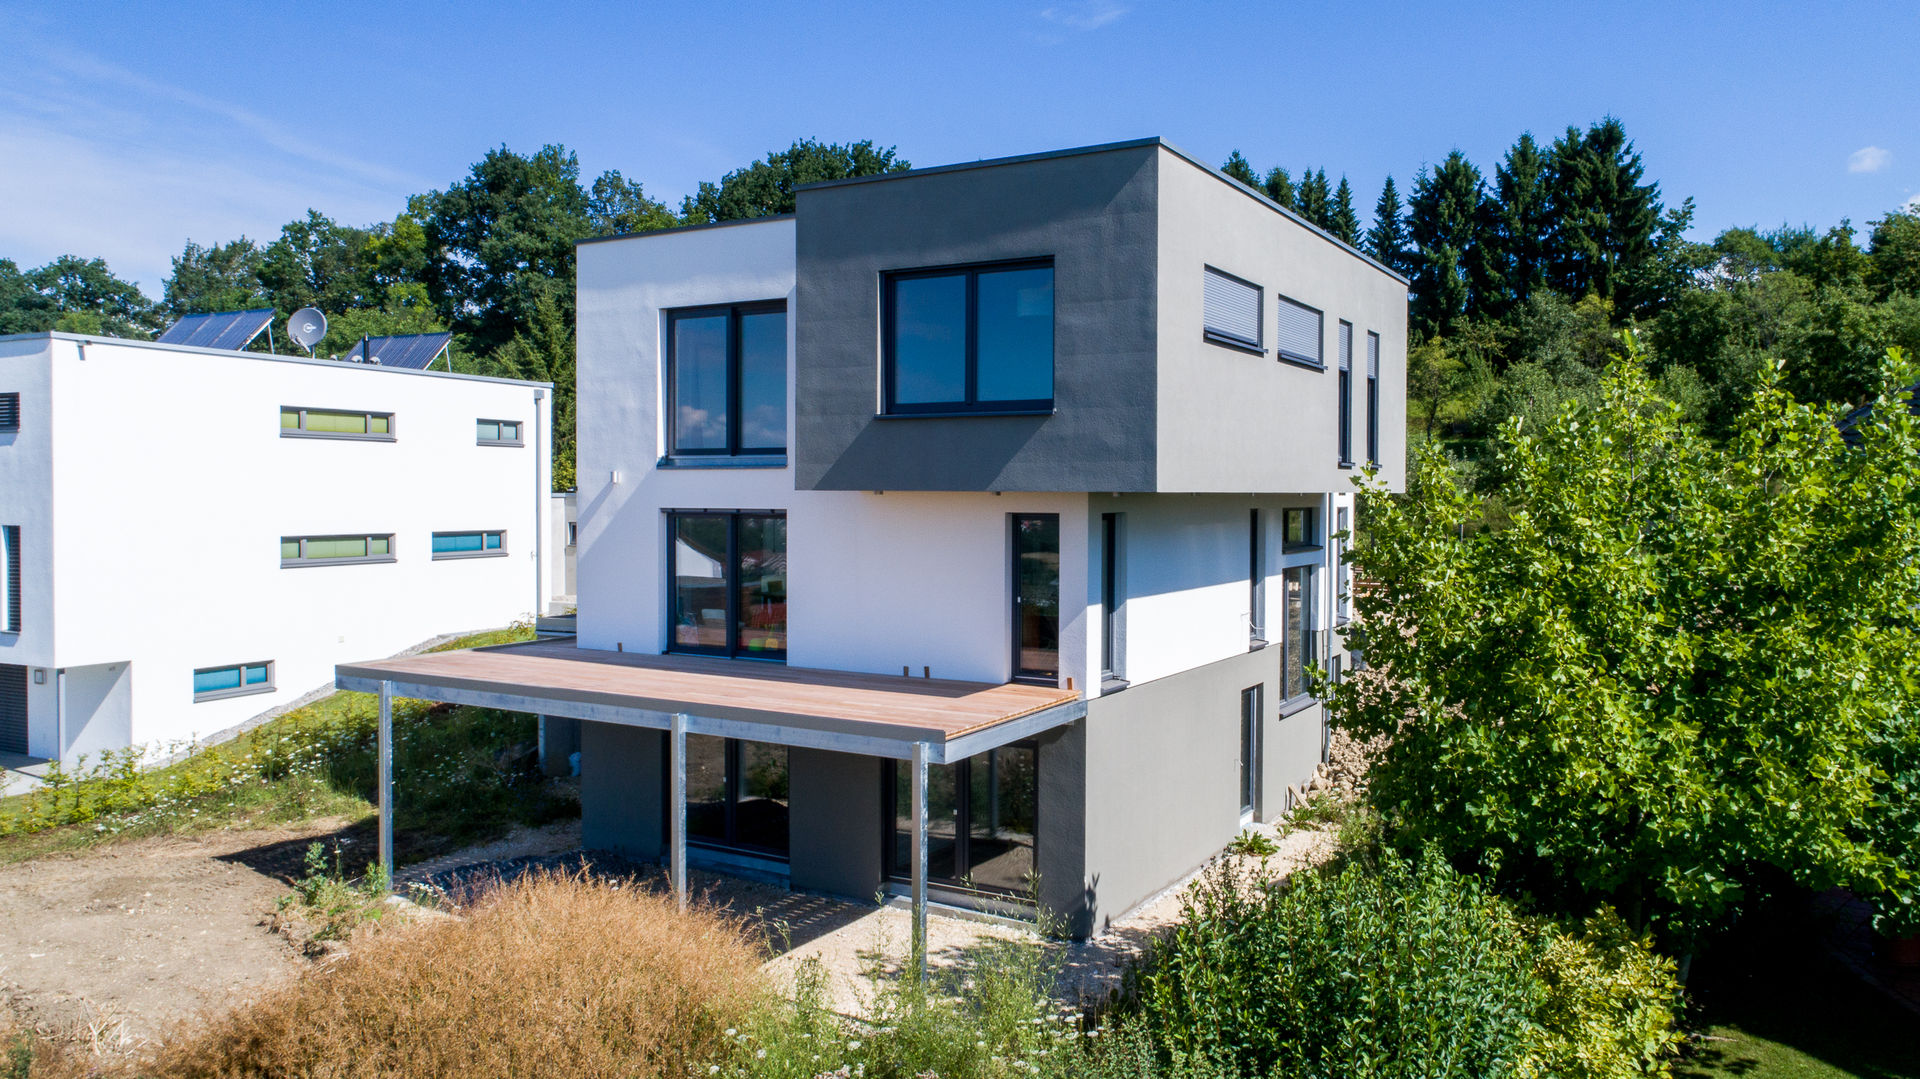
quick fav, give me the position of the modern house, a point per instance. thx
(968, 526)
(195, 536)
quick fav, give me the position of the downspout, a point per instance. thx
(60, 715)
(539, 524)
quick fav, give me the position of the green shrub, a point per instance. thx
(1397, 968)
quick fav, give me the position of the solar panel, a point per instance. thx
(221, 329)
(411, 350)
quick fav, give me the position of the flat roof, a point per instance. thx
(868, 714)
(272, 357)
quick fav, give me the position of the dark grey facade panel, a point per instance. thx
(1095, 215)
(13, 708)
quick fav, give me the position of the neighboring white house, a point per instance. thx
(196, 536)
(564, 541)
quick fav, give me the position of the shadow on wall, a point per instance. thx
(962, 454)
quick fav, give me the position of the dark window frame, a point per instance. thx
(1111, 669)
(1021, 674)
(963, 822)
(1373, 399)
(1346, 397)
(9, 412)
(730, 796)
(734, 447)
(731, 571)
(1258, 345)
(972, 405)
(10, 535)
(1291, 650)
(1252, 707)
(391, 434)
(360, 560)
(1309, 519)
(243, 689)
(1256, 582)
(1317, 361)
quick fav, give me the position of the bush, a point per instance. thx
(552, 974)
(1397, 968)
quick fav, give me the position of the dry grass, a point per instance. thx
(553, 975)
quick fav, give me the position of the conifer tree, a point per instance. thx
(1517, 234)
(1313, 198)
(1237, 167)
(1387, 239)
(1444, 221)
(1606, 222)
(1279, 187)
(1342, 221)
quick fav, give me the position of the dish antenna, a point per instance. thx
(307, 326)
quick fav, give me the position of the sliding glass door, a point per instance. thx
(737, 795)
(982, 819)
(729, 576)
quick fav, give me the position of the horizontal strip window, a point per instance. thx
(469, 544)
(1302, 332)
(498, 433)
(335, 423)
(9, 412)
(335, 550)
(1232, 310)
(213, 683)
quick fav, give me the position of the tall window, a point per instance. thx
(335, 550)
(1232, 310)
(737, 794)
(727, 381)
(729, 573)
(1249, 749)
(213, 683)
(10, 535)
(1373, 399)
(1110, 665)
(1256, 582)
(1342, 577)
(970, 340)
(1346, 394)
(1300, 335)
(1036, 596)
(1296, 639)
(335, 423)
(982, 820)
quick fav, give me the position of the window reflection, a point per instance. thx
(982, 820)
(1037, 594)
(700, 383)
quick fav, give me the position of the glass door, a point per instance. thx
(1036, 596)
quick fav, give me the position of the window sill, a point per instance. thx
(1113, 685)
(450, 556)
(223, 694)
(965, 413)
(1300, 548)
(1346, 464)
(1256, 644)
(300, 563)
(1296, 705)
(1301, 361)
(1250, 347)
(331, 437)
(1036, 680)
(722, 461)
(512, 442)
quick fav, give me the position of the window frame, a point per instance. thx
(499, 551)
(730, 787)
(390, 435)
(1346, 394)
(971, 406)
(360, 560)
(734, 450)
(9, 412)
(963, 822)
(1022, 674)
(1113, 668)
(731, 571)
(10, 536)
(1373, 399)
(1257, 346)
(1306, 514)
(573, 533)
(1256, 581)
(243, 689)
(1292, 650)
(519, 432)
(1342, 575)
(1315, 362)
(1252, 709)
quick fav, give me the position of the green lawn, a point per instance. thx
(461, 775)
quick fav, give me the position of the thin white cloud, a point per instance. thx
(1869, 159)
(1083, 14)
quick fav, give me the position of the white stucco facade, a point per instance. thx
(153, 487)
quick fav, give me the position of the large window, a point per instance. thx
(1346, 394)
(1300, 335)
(737, 794)
(1249, 750)
(1296, 639)
(727, 381)
(469, 544)
(1036, 596)
(1231, 310)
(978, 339)
(335, 423)
(213, 683)
(1373, 399)
(335, 550)
(982, 820)
(729, 573)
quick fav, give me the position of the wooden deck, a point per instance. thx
(906, 709)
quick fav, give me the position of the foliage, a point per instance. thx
(1387, 238)
(544, 352)
(1252, 844)
(564, 974)
(72, 295)
(766, 187)
(1400, 968)
(326, 896)
(1673, 673)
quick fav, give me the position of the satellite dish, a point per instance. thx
(307, 326)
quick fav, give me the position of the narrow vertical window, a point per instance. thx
(1036, 596)
(1373, 399)
(1342, 578)
(11, 535)
(1110, 665)
(1249, 750)
(1297, 631)
(1346, 394)
(1256, 583)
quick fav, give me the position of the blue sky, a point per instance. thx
(127, 129)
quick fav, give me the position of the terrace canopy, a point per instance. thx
(920, 720)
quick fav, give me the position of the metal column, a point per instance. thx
(919, 765)
(677, 806)
(386, 779)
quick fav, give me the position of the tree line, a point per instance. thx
(490, 257)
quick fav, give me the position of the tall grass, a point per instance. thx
(551, 975)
